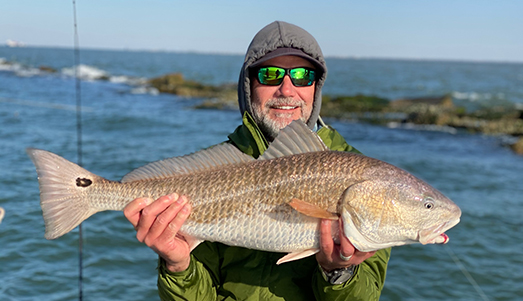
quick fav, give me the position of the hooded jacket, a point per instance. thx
(221, 272)
(281, 35)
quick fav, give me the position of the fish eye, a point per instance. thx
(428, 203)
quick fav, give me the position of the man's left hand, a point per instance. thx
(329, 256)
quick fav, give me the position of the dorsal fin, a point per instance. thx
(296, 138)
(219, 155)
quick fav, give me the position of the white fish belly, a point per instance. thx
(261, 232)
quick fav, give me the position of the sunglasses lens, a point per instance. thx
(271, 76)
(302, 77)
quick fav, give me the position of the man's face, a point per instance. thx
(275, 107)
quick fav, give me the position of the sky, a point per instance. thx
(477, 30)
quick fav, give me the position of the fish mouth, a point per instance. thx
(436, 234)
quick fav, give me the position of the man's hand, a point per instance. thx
(157, 224)
(329, 256)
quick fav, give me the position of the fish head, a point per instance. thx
(380, 213)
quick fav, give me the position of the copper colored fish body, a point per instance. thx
(274, 203)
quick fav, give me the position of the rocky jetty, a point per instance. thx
(441, 111)
(438, 111)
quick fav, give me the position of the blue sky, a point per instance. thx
(477, 30)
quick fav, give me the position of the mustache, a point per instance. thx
(289, 101)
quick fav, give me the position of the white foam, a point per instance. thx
(128, 80)
(86, 72)
(120, 79)
(145, 90)
(18, 69)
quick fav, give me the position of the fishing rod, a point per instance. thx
(466, 273)
(79, 142)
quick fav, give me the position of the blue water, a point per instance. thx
(124, 127)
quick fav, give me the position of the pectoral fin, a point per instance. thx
(297, 255)
(312, 210)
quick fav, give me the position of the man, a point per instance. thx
(280, 81)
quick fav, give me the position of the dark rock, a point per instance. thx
(47, 69)
(175, 84)
(440, 101)
(357, 105)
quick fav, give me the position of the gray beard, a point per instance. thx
(270, 128)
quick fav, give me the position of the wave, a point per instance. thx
(473, 101)
(138, 85)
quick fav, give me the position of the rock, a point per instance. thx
(174, 83)
(444, 101)
(426, 110)
(47, 69)
(343, 106)
(518, 146)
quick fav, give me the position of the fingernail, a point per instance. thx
(181, 199)
(185, 209)
(174, 196)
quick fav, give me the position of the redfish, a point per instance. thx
(273, 203)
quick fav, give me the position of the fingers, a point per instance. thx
(359, 257)
(174, 226)
(326, 242)
(133, 210)
(334, 252)
(169, 222)
(347, 250)
(151, 214)
(335, 256)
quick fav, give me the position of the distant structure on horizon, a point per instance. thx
(13, 43)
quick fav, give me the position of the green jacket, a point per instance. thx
(221, 272)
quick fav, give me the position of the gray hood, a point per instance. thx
(280, 35)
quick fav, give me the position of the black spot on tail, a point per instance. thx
(83, 182)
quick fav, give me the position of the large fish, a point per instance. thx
(273, 203)
(2, 213)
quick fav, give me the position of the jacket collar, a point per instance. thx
(249, 139)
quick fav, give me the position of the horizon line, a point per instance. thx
(353, 57)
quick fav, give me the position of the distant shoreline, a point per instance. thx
(327, 57)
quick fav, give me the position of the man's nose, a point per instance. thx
(287, 89)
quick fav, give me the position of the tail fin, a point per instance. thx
(62, 192)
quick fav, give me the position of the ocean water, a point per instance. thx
(125, 125)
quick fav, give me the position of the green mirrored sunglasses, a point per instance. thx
(273, 76)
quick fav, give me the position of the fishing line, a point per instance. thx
(79, 142)
(466, 273)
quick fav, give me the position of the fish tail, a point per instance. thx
(63, 198)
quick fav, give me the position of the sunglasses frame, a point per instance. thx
(259, 75)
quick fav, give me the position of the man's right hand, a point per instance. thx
(157, 224)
